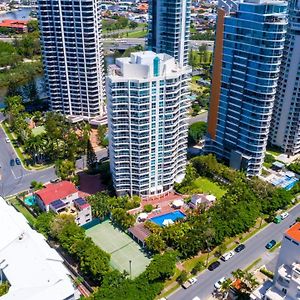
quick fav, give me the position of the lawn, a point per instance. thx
(204, 185)
(125, 253)
(136, 34)
(38, 130)
(30, 218)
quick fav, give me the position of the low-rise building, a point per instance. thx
(17, 26)
(63, 197)
(31, 267)
(286, 283)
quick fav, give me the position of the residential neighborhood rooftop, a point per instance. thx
(294, 232)
(55, 191)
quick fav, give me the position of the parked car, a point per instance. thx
(12, 162)
(227, 255)
(277, 219)
(7, 140)
(271, 244)
(284, 215)
(214, 265)
(219, 283)
(239, 248)
(54, 180)
(196, 298)
(18, 162)
(189, 283)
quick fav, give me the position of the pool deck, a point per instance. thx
(161, 206)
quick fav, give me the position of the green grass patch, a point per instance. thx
(204, 185)
(250, 267)
(136, 34)
(26, 213)
(38, 130)
(274, 151)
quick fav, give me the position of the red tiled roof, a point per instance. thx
(55, 191)
(13, 23)
(294, 232)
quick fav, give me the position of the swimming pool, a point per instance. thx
(30, 200)
(174, 216)
(286, 182)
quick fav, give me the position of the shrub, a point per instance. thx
(183, 276)
(148, 208)
(198, 267)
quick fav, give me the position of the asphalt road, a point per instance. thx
(17, 179)
(202, 117)
(255, 248)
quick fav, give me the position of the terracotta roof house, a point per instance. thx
(63, 197)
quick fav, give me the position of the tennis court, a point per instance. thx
(121, 247)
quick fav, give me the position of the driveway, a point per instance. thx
(255, 248)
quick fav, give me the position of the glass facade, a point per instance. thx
(285, 129)
(72, 56)
(169, 28)
(253, 41)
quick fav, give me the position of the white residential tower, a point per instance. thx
(148, 101)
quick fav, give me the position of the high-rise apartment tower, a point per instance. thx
(148, 102)
(72, 56)
(248, 50)
(285, 129)
(169, 28)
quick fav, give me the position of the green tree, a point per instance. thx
(43, 223)
(183, 276)
(91, 157)
(196, 132)
(4, 287)
(13, 108)
(101, 204)
(133, 25)
(155, 243)
(197, 268)
(65, 169)
(122, 218)
(102, 130)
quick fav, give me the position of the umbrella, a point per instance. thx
(178, 203)
(167, 222)
(142, 216)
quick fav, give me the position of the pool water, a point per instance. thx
(30, 200)
(174, 216)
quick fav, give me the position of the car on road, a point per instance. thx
(227, 255)
(239, 248)
(54, 180)
(189, 283)
(18, 162)
(196, 298)
(214, 265)
(219, 283)
(271, 244)
(12, 162)
(284, 215)
(7, 140)
(277, 219)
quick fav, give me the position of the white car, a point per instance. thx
(196, 298)
(227, 255)
(284, 215)
(219, 283)
(7, 140)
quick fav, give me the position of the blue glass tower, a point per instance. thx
(169, 28)
(249, 46)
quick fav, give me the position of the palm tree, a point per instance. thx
(225, 288)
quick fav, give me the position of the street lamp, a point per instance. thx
(130, 268)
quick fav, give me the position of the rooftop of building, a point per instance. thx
(34, 269)
(13, 23)
(294, 232)
(56, 191)
(145, 65)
